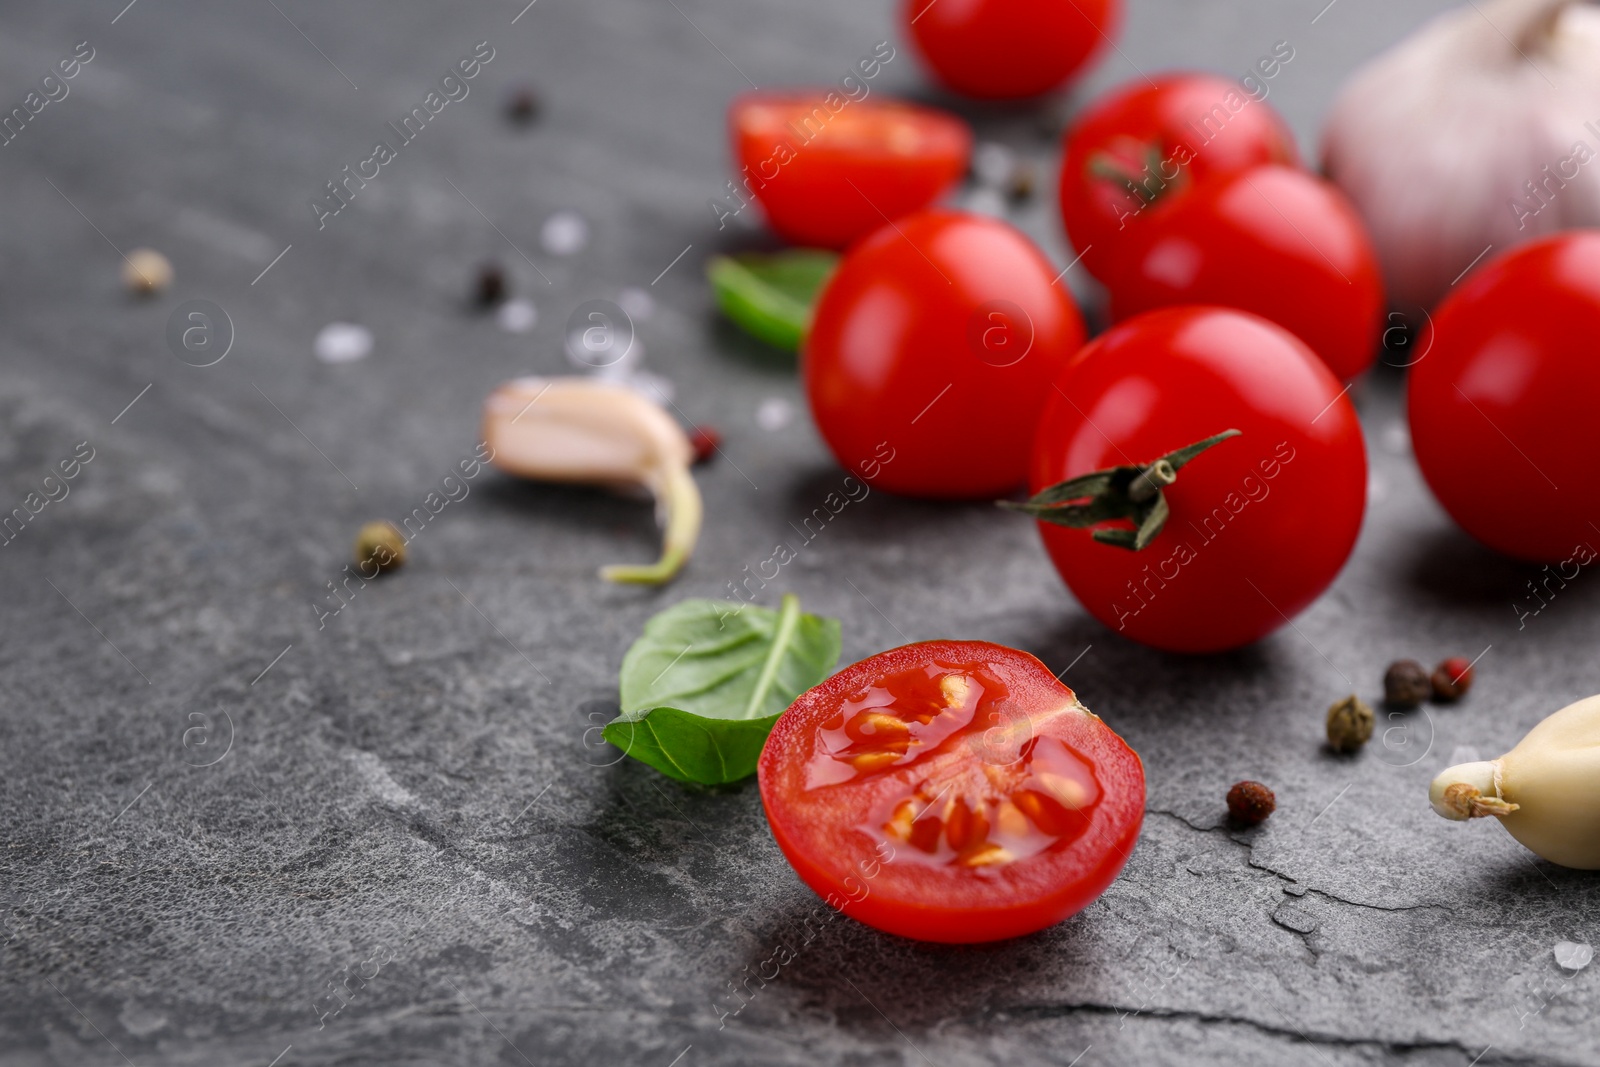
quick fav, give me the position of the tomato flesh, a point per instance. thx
(826, 176)
(1504, 382)
(951, 791)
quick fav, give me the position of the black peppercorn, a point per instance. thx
(489, 288)
(1019, 188)
(522, 106)
(1406, 684)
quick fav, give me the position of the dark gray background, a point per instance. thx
(409, 791)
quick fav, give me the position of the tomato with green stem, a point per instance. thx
(951, 791)
(930, 353)
(1272, 240)
(1505, 380)
(1199, 478)
(1155, 138)
(828, 170)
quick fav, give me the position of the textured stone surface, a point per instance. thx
(405, 805)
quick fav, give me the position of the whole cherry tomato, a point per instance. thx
(1009, 49)
(951, 791)
(1155, 138)
(1272, 240)
(1504, 382)
(930, 353)
(1257, 525)
(827, 169)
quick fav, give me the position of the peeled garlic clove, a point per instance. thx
(1546, 791)
(584, 430)
(1479, 129)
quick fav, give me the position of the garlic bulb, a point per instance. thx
(1546, 791)
(583, 430)
(1481, 129)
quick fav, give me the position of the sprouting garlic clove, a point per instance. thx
(583, 430)
(1545, 791)
(1476, 130)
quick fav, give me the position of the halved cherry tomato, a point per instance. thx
(930, 353)
(1258, 525)
(1272, 240)
(951, 791)
(827, 170)
(1009, 49)
(1505, 381)
(1144, 142)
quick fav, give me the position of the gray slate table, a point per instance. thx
(213, 814)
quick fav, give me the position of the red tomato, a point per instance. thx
(1260, 524)
(930, 353)
(1272, 240)
(1009, 49)
(1146, 141)
(951, 791)
(828, 175)
(1505, 383)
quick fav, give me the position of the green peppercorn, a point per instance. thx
(1349, 724)
(379, 547)
(1406, 684)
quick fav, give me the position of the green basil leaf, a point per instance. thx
(770, 296)
(703, 685)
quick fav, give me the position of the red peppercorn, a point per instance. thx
(705, 440)
(1452, 678)
(1250, 802)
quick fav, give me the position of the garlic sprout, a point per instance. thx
(1480, 131)
(587, 431)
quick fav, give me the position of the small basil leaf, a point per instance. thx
(770, 296)
(703, 685)
(693, 748)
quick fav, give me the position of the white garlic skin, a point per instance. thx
(1553, 778)
(580, 429)
(1436, 139)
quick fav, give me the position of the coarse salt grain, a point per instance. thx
(1573, 956)
(564, 233)
(774, 413)
(517, 316)
(343, 342)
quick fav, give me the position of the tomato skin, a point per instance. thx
(1271, 240)
(825, 178)
(1260, 524)
(821, 833)
(1497, 400)
(908, 364)
(1008, 49)
(1186, 122)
